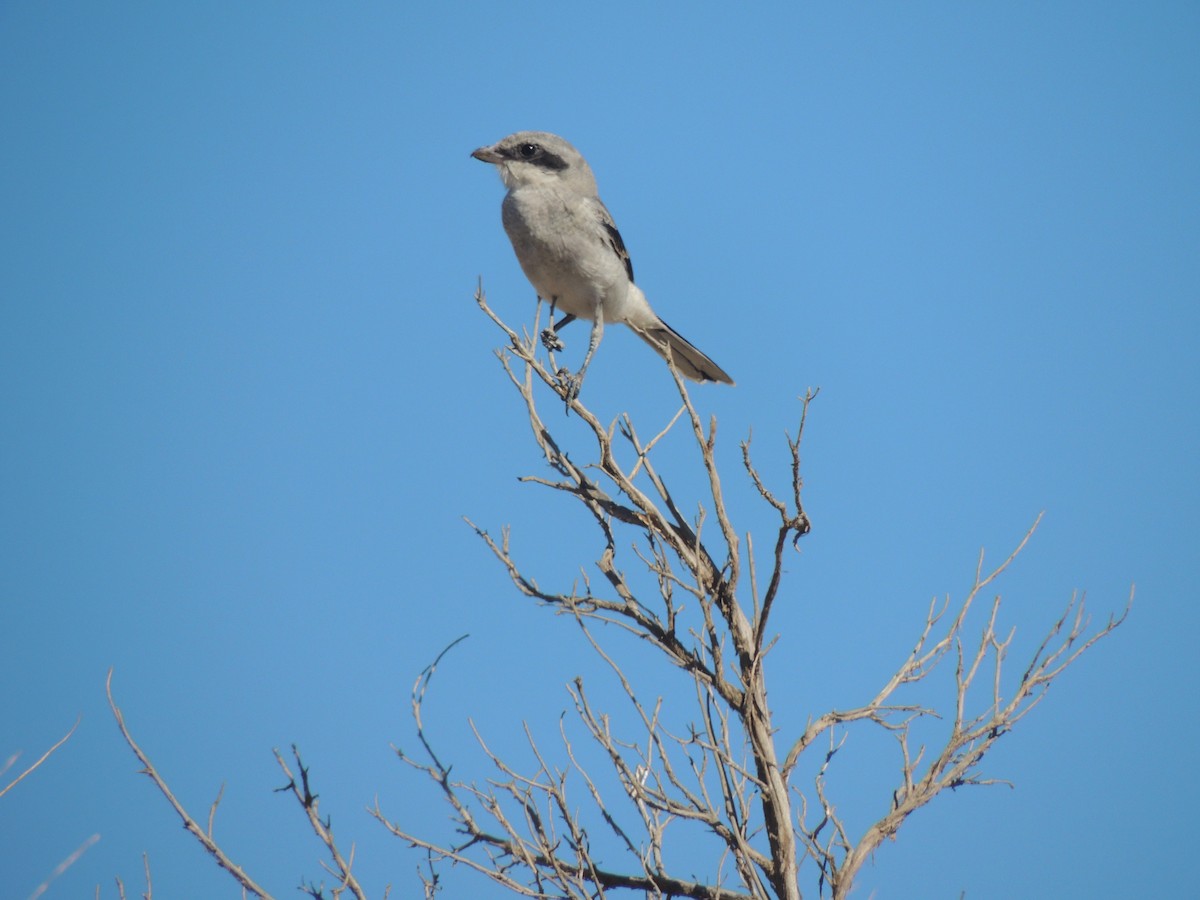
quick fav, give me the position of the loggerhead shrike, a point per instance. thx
(572, 253)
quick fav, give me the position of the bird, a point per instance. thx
(572, 253)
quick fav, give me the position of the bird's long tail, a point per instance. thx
(691, 361)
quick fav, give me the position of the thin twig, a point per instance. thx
(41, 759)
(247, 883)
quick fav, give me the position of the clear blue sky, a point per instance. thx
(246, 396)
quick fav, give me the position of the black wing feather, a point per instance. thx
(614, 241)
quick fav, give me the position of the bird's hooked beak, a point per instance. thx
(488, 155)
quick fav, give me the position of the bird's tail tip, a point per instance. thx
(692, 362)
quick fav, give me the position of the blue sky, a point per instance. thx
(247, 397)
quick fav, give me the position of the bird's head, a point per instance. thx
(530, 158)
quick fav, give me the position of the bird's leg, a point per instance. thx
(575, 382)
(550, 339)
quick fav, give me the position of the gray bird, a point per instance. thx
(572, 253)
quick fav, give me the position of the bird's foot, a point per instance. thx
(571, 385)
(551, 341)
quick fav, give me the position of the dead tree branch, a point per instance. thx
(64, 865)
(11, 761)
(204, 837)
(322, 828)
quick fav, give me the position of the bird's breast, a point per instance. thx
(560, 246)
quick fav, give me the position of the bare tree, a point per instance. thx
(732, 771)
(729, 771)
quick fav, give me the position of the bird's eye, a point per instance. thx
(528, 151)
